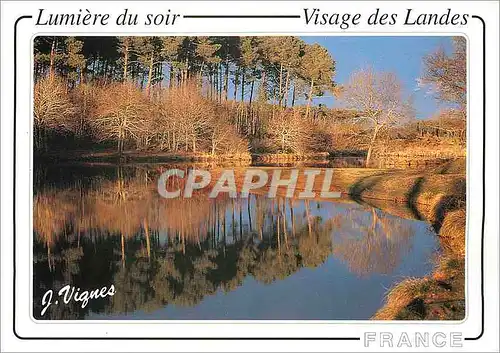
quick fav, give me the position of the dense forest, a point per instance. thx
(178, 252)
(226, 96)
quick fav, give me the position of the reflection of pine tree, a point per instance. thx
(71, 266)
(176, 252)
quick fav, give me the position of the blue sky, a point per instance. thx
(401, 55)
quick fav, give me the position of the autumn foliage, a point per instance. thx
(228, 96)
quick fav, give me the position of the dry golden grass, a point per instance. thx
(440, 296)
(427, 194)
(455, 166)
(290, 157)
(400, 296)
(437, 297)
(427, 147)
(453, 231)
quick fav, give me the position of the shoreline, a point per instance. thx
(438, 198)
(132, 156)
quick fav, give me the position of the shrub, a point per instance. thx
(122, 112)
(183, 116)
(53, 109)
(288, 132)
(84, 97)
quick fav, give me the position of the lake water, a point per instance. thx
(201, 258)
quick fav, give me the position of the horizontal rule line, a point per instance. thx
(241, 16)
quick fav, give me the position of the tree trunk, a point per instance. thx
(214, 87)
(251, 93)
(160, 74)
(235, 85)
(120, 144)
(292, 218)
(372, 142)
(220, 82)
(94, 65)
(123, 250)
(210, 85)
(309, 99)
(249, 213)
(308, 216)
(286, 87)
(216, 82)
(243, 84)
(280, 91)
(263, 85)
(226, 79)
(200, 77)
(171, 76)
(150, 75)
(186, 71)
(293, 95)
(52, 58)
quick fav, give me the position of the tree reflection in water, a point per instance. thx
(160, 252)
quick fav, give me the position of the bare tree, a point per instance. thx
(447, 74)
(288, 132)
(380, 98)
(224, 138)
(183, 116)
(122, 113)
(53, 109)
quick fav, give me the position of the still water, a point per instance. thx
(201, 258)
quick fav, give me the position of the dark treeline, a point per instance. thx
(215, 95)
(279, 69)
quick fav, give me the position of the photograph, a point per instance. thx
(249, 177)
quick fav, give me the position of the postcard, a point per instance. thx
(255, 175)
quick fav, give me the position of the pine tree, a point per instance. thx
(74, 59)
(251, 51)
(150, 51)
(317, 68)
(206, 54)
(126, 48)
(170, 52)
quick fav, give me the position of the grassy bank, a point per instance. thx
(111, 156)
(424, 147)
(438, 196)
(428, 193)
(289, 157)
(441, 295)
